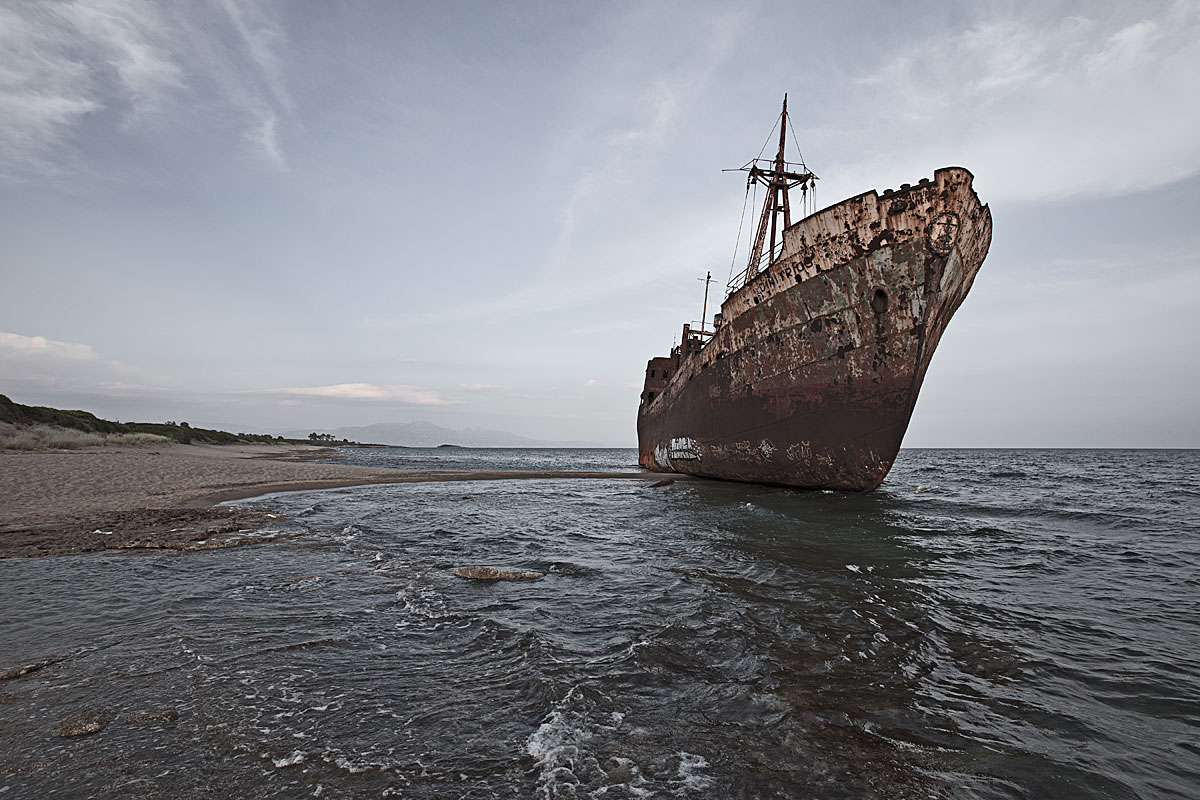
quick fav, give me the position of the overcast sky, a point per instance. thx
(276, 215)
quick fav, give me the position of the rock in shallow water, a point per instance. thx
(84, 723)
(160, 716)
(493, 574)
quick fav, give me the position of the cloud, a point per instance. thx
(259, 86)
(261, 39)
(37, 364)
(40, 348)
(620, 125)
(412, 395)
(264, 138)
(1036, 107)
(64, 62)
(129, 63)
(133, 40)
(42, 93)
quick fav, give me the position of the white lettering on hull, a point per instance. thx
(685, 449)
(662, 457)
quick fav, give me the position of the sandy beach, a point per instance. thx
(164, 496)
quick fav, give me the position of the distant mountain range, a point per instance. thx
(426, 434)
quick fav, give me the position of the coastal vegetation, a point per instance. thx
(40, 427)
(47, 437)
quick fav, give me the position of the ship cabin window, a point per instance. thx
(651, 373)
(650, 399)
(665, 373)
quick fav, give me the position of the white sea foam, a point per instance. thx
(295, 757)
(423, 601)
(354, 767)
(573, 761)
(690, 779)
(558, 747)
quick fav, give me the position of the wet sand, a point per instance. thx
(164, 496)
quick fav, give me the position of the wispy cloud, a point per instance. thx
(1039, 107)
(261, 83)
(42, 93)
(133, 39)
(262, 39)
(264, 138)
(132, 65)
(410, 395)
(619, 125)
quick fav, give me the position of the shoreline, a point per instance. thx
(167, 497)
(407, 476)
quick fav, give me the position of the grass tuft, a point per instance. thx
(45, 437)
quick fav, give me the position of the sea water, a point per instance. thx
(987, 624)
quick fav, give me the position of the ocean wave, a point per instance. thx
(1007, 473)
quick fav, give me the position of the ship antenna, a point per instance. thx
(704, 311)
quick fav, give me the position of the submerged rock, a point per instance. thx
(25, 669)
(493, 574)
(152, 717)
(663, 482)
(84, 723)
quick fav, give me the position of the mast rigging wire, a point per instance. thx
(741, 224)
(769, 135)
(796, 139)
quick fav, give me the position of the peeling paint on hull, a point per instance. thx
(811, 379)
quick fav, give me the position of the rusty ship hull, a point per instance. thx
(811, 377)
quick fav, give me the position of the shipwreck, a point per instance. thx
(809, 373)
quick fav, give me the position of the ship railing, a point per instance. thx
(752, 270)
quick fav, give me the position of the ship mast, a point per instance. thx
(778, 179)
